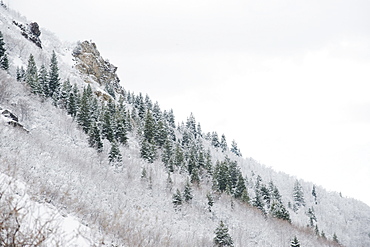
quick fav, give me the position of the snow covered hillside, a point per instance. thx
(111, 168)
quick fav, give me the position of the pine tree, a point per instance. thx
(222, 237)
(64, 94)
(314, 193)
(54, 80)
(278, 210)
(235, 149)
(73, 102)
(149, 128)
(240, 187)
(214, 140)
(298, 195)
(21, 74)
(167, 155)
(114, 153)
(32, 75)
(187, 192)
(148, 151)
(210, 201)
(223, 143)
(44, 81)
(84, 111)
(107, 126)
(4, 62)
(94, 138)
(295, 242)
(335, 238)
(177, 198)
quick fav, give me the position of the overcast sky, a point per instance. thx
(288, 80)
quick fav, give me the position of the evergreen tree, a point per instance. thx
(187, 192)
(295, 242)
(223, 143)
(298, 195)
(278, 210)
(222, 237)
(160, 135)
(94, 138)
(314, 193)
(4, 62)
(148, 151)
(73, 102)
(335, 238)
(2, 45)
(107, 126)
(191, 125)
(21, 74)
(167, 155)
(220, 177)
(210, 201)
(179, 156)
(177, 198)
(44, 81)
(214, 140)
(235, 149)
(194, 177)
(32, 75)
(114, 153)
(240, 187)
(54, 80)
(120, 131)
(312, 216)
(84, 112)
(64, 94)
(317, 232)
(149, 128)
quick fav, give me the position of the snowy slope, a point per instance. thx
(59, 170)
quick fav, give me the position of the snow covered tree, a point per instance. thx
(177, 198)
(4, 62)
(240, 187)
(167, 155)
(31, 76)
(210, 201)
(295, 242)
(187, 192)
(149, 128)
(54, 80)
(298, 195)
(235, 149)
(72, 105)
(114, 153)
(314, 193)
(222, 236)
(21, 74)
(312, 216)
(148, 151)
(94, 138)
(44, 81)
(277, 210)
(223, 143)
(214, 140)
(335, 238)
(107, 126)
(84, 111)
(191, 125)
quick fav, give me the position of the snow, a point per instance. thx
(61, 178)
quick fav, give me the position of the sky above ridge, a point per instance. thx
(288, 80)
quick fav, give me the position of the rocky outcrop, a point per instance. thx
(8, 117)
(90, 63)
(30, 31)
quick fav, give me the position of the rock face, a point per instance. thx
(8, 117)
(30, 31)
(90, 63)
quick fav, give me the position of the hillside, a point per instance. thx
(119, 186)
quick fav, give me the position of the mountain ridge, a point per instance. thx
(67, 135)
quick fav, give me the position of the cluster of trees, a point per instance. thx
(4, 62)
(268, 200)
(178, 199)
(99, 118)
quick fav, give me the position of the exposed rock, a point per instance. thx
(90, 63)
(8, 117)
(30, 31)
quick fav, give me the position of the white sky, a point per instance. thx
(288, 80)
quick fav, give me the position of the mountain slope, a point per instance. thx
(53, 158)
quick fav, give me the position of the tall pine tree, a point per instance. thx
(54, 80)
(222, 236)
